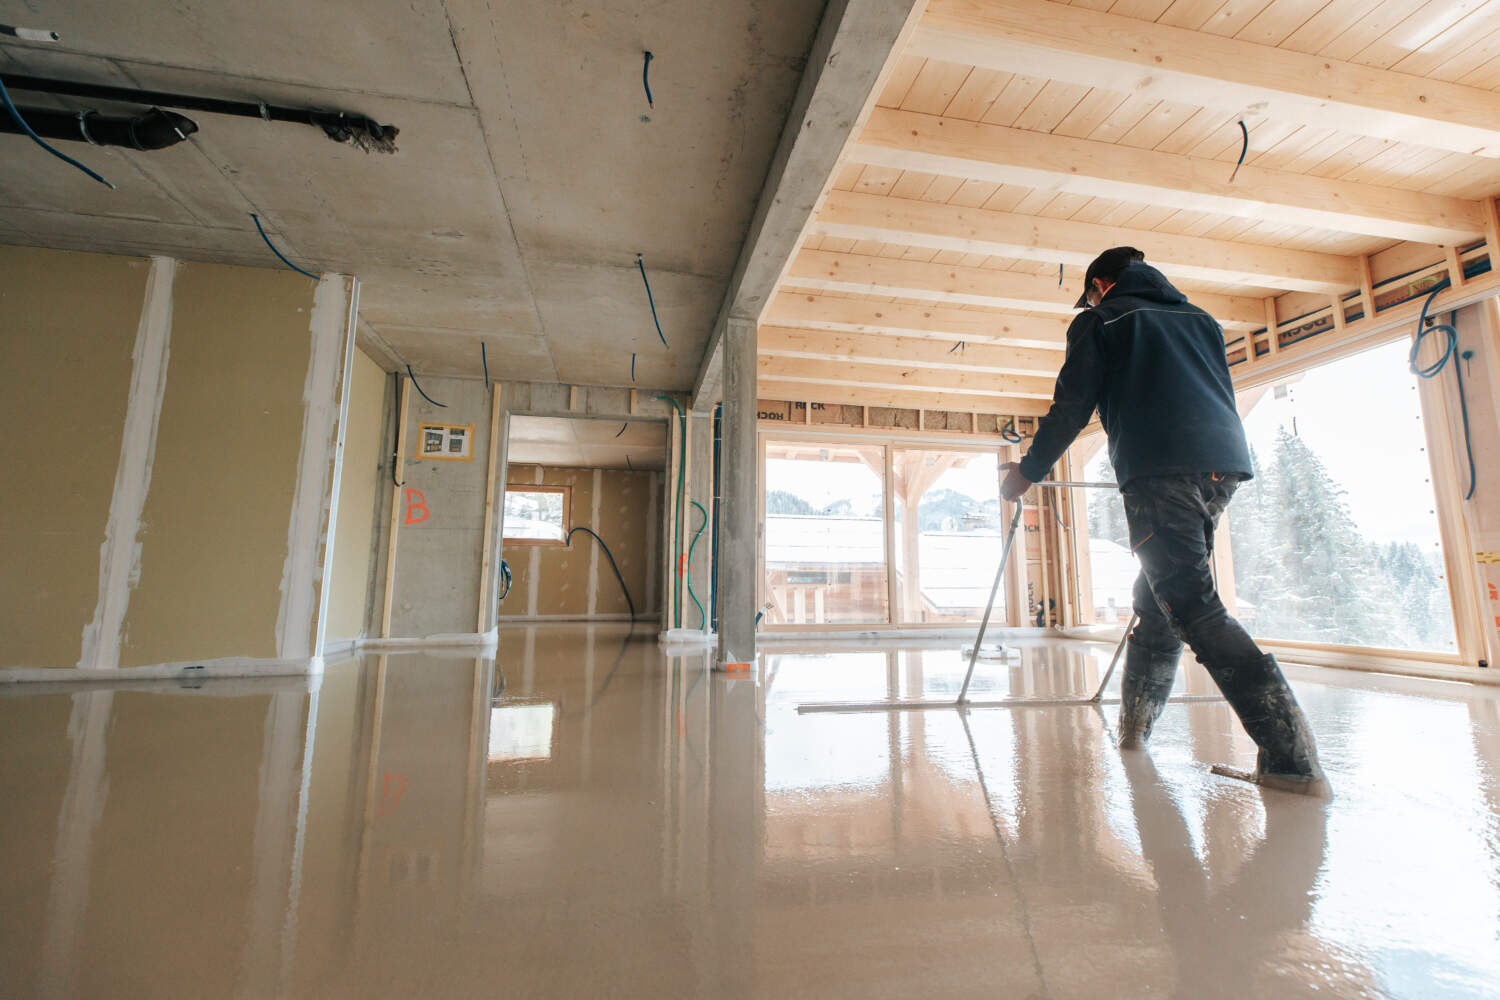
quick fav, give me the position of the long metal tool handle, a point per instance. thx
(1114, 660)
(1010, 538)
(1053, 484)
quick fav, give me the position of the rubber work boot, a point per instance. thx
(1288, 756)
(1143, 692)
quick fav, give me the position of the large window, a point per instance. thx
(1336, 538)
(825, 533)
(948, 534)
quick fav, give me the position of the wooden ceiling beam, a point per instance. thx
(915, 319)
(1128, 55)
(907, 222)
(883, 349)
(796, 390)
(906, 140)
(921, 377)
(910, 279)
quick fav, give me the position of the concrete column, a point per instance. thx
(738, 549)
(700, 488)
(491, 586)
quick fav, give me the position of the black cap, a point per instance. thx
(1108, 266)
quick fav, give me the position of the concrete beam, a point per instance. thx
(849, 57)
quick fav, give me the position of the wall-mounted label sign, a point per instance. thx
(445, 442)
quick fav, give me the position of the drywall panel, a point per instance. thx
(215, 525)
(64, 415)
(576, 580)
(440, 537)
(363, 474)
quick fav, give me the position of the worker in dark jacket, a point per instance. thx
(1153, 366)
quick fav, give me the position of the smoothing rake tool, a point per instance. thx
(964, 701)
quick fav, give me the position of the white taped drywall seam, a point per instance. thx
(330, 531)
(299, 572)
(120, 553)
(598, 488)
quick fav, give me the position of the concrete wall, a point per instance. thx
(576, 581)
(365, 471)
(176, 426)
(440, 538)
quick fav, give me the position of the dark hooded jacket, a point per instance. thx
(1153, 366)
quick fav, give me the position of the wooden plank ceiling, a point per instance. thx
(1011, 140)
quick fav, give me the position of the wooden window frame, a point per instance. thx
(567, 514)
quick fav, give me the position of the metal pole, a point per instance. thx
(984, 623)
(1135, 616)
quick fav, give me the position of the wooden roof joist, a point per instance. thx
(979, 286)
(905, 221)
(797, 390)
(880, 349)
(915, 319)
(967, 383)
(1158, 61)
(906, 140)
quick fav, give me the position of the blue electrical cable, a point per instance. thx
(16, 115)
(649, 298)
(612, 565)
(413, 376)
(1244, 148)
(484, 360)
(1450, 353)
(646, 80)
(278, 253)
(632, 366)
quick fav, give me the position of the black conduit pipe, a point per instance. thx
(154, 129)
(357, 130)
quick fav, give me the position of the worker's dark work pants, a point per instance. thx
(1172, 521)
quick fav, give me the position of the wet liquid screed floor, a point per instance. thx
(592, 818)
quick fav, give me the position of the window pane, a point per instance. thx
(534, 514)
(947, 554)
(1112, 567)
(825, 533)
(1335, 540)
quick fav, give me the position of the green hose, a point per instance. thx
(702, 615)
(677, 513)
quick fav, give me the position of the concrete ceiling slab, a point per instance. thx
(529, 169)
(511, 357)
(678, 181)
(376, 46)
(596, 317)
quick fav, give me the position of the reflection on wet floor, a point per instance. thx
(583, 816)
